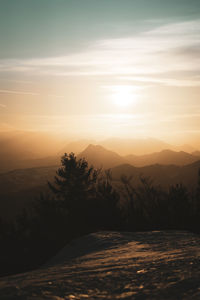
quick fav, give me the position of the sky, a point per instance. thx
(101, 68)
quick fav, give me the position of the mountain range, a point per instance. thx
(126, 146)
(98, 156)
(164, 157)
(19, 150)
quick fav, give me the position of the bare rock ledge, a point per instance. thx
(115, 265)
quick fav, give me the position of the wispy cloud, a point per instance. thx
(144, 57)
(164, 81)
(2, 105)
(18, 92)
(28, 93)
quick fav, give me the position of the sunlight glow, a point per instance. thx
(124, 95)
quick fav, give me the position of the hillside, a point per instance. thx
(160, 174)
(115, 265)
(196, 153)
(27, 149)
(164, 157)
(19, 188)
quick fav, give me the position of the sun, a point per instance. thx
(123, 95)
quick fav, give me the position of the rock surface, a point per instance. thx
(115, 265)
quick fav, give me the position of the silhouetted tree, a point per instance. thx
(74, 180)
(74, 188)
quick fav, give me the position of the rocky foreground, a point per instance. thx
(115, 265)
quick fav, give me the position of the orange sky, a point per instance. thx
(121, 76)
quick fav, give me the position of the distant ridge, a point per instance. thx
(164, 175)
(196, 153)
(164, 157)
(101, 157)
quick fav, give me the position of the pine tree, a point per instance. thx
(75, 187)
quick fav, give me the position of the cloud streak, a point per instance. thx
(18, 92)
(142, 57)
(28, 93)
(2, 105)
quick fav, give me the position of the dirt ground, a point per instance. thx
(115, 265)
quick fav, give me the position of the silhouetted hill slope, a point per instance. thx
(19, 188)
(11, 165)
(187, 175)
(98, 156)
(25, 178)
(165, 157)
(20, 149)
(196, 153)
(115, 265)
(163, 175)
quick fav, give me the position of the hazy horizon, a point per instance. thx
(63, 137)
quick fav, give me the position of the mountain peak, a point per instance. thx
(101, 157)
(92, 147)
